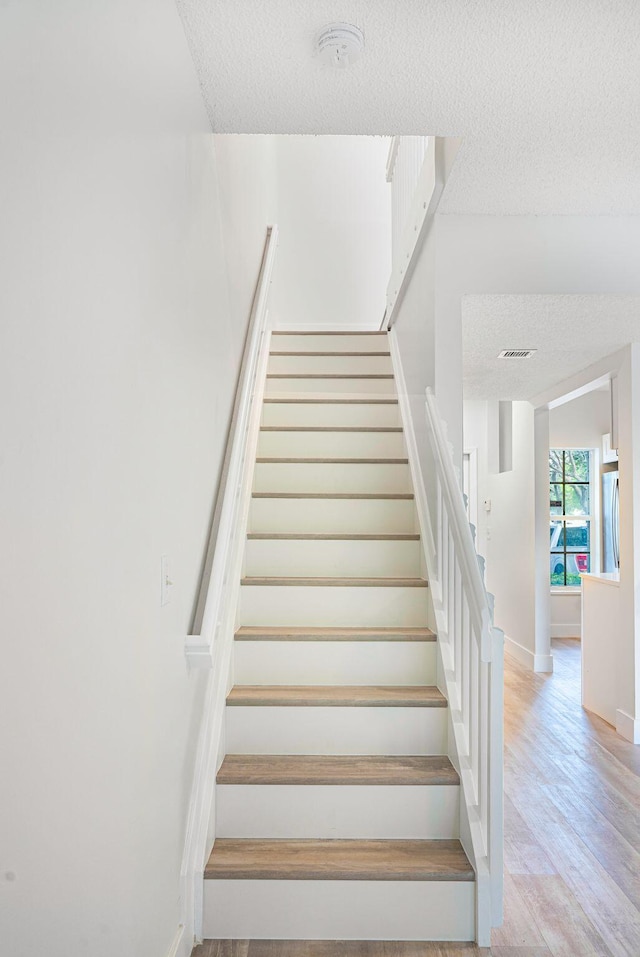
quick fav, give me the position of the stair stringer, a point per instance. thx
(210, 752)
(470, 834)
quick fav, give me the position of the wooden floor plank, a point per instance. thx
(360, 948)
(372, 860)
(517, 951)
(522, 852)
(337, 696)
(519, 922)
(357, 948)
(565, 927)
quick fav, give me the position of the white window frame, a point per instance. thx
(593, 518)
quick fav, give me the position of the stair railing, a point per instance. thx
(219, 565)
(210, 647)
(472, 651)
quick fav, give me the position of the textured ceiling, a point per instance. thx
(546, 93)
(569, 332)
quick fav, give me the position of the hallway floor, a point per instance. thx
(572, 835)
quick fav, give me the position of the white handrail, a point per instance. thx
(212, 648)
(472, 655)
(199, 647)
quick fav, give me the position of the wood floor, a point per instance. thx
(572, 835)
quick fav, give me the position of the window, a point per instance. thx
(570, 501)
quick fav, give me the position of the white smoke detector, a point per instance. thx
(340, 44)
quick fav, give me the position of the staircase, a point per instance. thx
(337, 808)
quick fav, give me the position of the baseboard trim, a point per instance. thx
(628, 727)
(180, 946)
(566, 631)
(527, 658)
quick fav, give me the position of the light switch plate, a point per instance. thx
(165, 580)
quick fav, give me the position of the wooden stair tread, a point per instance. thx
(328, 332)
(333, 537)
(334, 353)
(286, 633)
(345, 495)
(377, 860)
(328, 400)
(337, 696)
(329, 375)
(314, 769)
(330, 428)
(338, 582)
(325, 460)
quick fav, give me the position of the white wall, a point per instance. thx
(248, 201)
(579, 424)
(467, 255)
(475, 437)
(506, 534)
(628, 640)
(508, 254)
(334, 220)
(118, 357)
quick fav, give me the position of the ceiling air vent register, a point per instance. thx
(517, 353)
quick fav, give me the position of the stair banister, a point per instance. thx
(210, 608)
(211, 646)
(449, 489)
(472, 655)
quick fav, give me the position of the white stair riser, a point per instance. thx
(330, 477)
(338, 811)
(342, 386)
(348, 365)
(339, 910)
(333, 444)
(326, 414)
(328, 343)
(310, 730)
(333, 516)
(315, 557)
(372, 606)
(334, 662)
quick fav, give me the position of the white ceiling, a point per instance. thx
(546, 93)
(569, 332)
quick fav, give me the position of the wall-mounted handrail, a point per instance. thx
(472, 655)
(212, 647)
(199, 646)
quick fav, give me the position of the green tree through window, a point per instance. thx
(570, 508)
